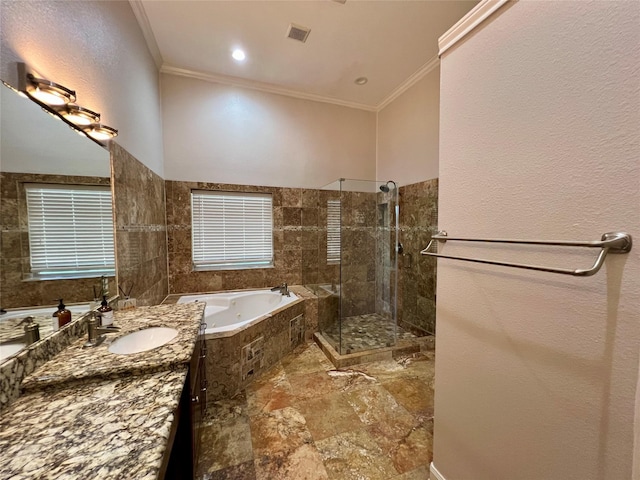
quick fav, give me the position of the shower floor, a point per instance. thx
(364, 332)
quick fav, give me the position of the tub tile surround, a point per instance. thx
(141, 228)
(297, 227)
(78, 363)
(14, 247)
(303, 419)
(106, 429)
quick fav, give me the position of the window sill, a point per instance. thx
(68, 276)
(218, 268)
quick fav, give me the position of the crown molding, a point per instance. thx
(409, 82)
(261, 86)
(476, 16)
(147, 32)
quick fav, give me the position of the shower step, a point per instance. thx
(365, 356)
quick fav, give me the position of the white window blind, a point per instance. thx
(70, 230)
(333, 231)
(231, 230)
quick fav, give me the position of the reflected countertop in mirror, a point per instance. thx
(39, 148)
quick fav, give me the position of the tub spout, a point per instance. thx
(283, 289)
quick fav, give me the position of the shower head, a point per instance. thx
(385, 188)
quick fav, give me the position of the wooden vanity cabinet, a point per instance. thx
(181, 459)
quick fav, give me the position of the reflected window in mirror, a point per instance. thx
(70, 231)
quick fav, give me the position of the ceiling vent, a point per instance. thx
(299, 33)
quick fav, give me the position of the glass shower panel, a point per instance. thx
(357, 256)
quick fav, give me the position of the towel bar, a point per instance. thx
(612, 242)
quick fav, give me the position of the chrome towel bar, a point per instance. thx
(613, 242)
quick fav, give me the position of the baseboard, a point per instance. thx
(435, 474)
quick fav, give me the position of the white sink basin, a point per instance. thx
(9, 349)
(143, 340)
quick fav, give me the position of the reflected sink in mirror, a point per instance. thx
(12, 331)
(143, 340)
(9, 349)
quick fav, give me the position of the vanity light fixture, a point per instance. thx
(79, 115)
(48, 92)
(59, 101)
(100, 132)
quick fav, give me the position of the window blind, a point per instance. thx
(70, 230)
(231, 230)
(333, 231)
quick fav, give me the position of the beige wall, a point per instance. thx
(218, 133)
(408, 133)
(536, 373)
(97, 49)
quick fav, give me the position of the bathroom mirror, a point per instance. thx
(38, 149)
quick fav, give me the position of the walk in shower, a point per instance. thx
(357, 282)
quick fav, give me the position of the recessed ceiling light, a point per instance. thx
(238, 55)
(361, 80)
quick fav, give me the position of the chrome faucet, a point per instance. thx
(95, 331)
(283, 289)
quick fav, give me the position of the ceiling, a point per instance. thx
(390, 42)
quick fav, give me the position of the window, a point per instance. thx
(333, 231)
(70, 231)
(231, 230)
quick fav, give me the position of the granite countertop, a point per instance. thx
(89, 413)
(106, 429)
(77, 363)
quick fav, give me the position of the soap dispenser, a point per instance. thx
(62, 315)
(106, 311)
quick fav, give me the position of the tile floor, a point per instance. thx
(303, 420)
(364, 332)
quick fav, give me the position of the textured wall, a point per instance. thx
(141, 228)
(218, 133)
(14, 248)
(97, 49)
(536, 374)
(417, 277)
(408, 129)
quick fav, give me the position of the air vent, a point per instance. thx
(299, 33)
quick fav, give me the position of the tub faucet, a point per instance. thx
(95, 331)
(283, 289)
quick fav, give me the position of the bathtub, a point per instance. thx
(230, 311)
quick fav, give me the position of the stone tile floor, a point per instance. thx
(303, 420)
(364, 332)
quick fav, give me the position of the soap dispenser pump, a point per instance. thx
(62, 315)
(106, 312)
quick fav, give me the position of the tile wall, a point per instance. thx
(417, 273)
(141, 228)
(296, 245)
(14, 247)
